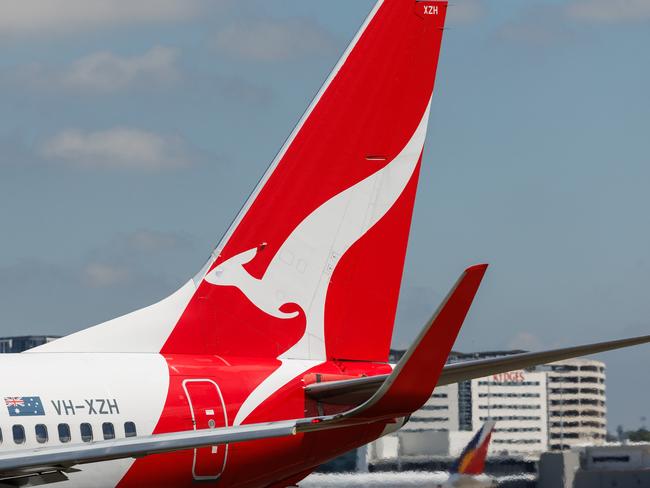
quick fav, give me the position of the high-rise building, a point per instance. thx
(577, 411)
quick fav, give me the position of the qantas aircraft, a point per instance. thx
(273, 358)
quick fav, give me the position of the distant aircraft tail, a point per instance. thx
(472, 459)
(311, 267)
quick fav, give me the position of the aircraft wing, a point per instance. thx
(48, 464)
(403, 391)
(349, 392)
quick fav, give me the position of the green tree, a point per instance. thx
(641, 435)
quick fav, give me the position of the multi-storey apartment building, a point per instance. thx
(577, 406)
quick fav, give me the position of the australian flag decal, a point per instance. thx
(24, 406)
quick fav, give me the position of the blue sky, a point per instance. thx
(131, 134)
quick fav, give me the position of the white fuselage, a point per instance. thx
(76, 389)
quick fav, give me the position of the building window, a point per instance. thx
(64, 433)
(517, 441)
(509, 407)
(563, 368)
(435, 407)
(567, 391)
(589, 380)
(611, 459)
(567, 425)
(429, 419)
(511, 417)
(560, 447)
(589, 368)
(129, 429)
(108, 431)
(41, 433)
(565, 435)
(508, 395)
(86, 432)
(590, 391)
(19, 434)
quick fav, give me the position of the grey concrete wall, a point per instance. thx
(557, 469)
(425, 443)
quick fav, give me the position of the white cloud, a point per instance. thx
(120, 147)
(100, 275)
(609, 11)
(101, 72)
(274, 40)
(465, 12)
(105, 71)
(42, 17)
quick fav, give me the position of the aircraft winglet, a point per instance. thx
(416, 374)
(410, 384)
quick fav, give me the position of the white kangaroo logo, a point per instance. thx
(301, 269)
(232, 273)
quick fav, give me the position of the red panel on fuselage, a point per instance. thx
(256, 463)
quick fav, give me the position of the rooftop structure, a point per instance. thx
(22, 343)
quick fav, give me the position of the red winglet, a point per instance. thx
(410, 384)
(416, 375)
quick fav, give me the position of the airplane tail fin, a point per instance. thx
(472, 459)
(311, 267)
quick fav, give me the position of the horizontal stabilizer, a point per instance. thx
(453, 373)
(355, 391)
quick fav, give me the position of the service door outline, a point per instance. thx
(208, 412)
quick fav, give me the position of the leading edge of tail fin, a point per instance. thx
(311, 267)
(472, 459)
